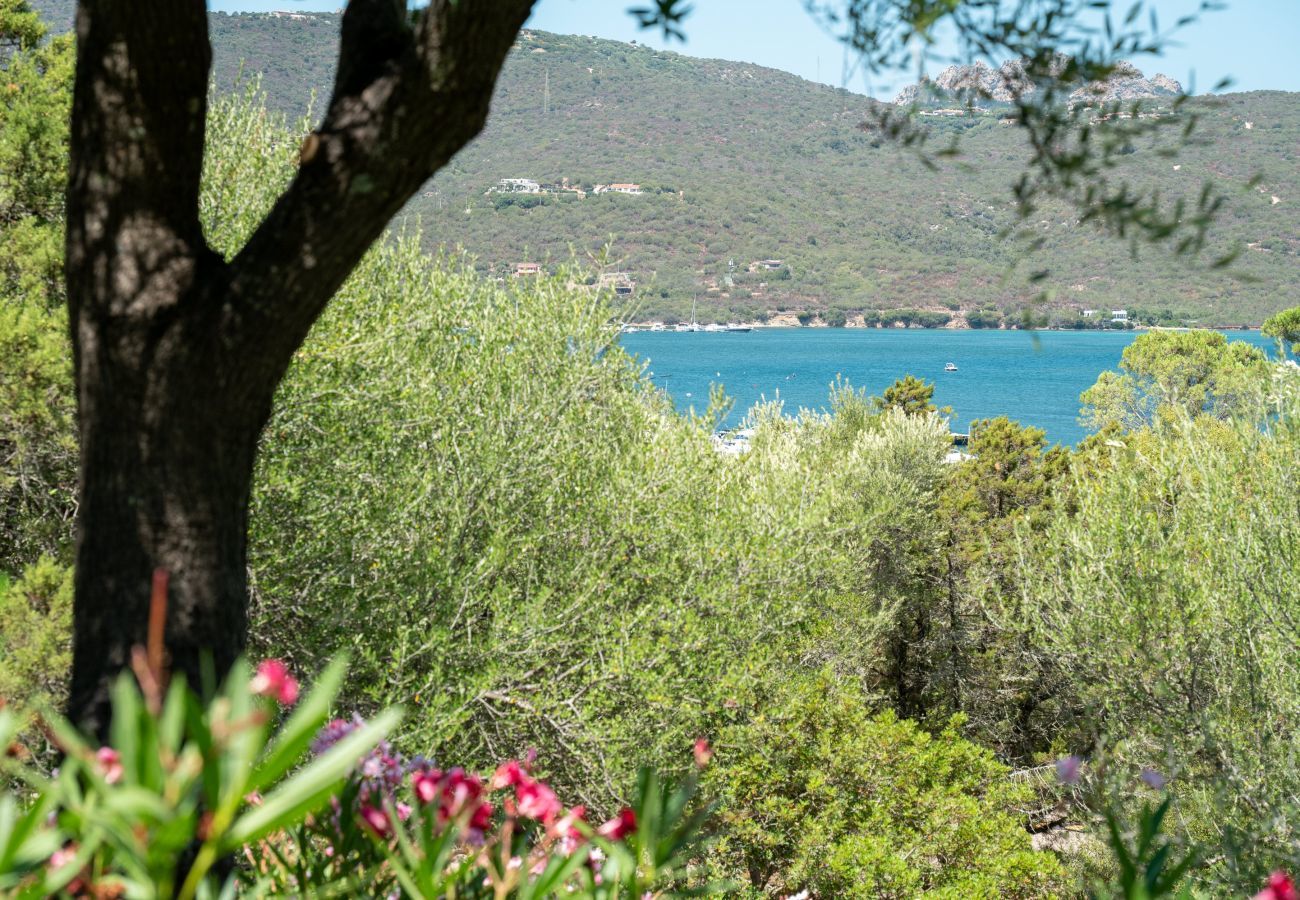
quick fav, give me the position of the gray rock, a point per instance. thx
(982, 85)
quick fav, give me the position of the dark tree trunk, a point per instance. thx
(177, 352)
(166, 466)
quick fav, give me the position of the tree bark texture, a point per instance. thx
(178, 352)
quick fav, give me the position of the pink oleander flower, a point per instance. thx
(508, 774)
(481, 818)
(425, 785)
(1279, 887)
(703, 752)
(460, 789)
(454, 792)
(61, 857)
(537, 801)
(619, 827)
(1068, 769)
(273, 680)
(567, 826)
(376, 820)
(566, 829)
(110, 764)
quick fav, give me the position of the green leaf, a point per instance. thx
(297, 733)
(557, 872)
(124, 730)
(171, 727)
(311, 787)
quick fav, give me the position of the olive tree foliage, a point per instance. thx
(526, 541)
(1167, 600)
(1165, 375)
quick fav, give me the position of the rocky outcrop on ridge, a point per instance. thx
(981, 84)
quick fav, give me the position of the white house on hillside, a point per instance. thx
(517, 186)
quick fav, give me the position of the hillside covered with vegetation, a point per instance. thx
(738, 163)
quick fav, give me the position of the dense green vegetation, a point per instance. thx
(742, 163)
(469, 486)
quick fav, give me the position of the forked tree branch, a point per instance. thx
(408, 96)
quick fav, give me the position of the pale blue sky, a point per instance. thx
(1255, 42)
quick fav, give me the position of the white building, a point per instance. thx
(518, 186)
(1119, 315)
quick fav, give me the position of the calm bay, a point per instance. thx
(1034, 377)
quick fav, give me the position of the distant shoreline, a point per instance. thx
(648, 328)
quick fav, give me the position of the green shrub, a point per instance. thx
(38, 448)
(818, 793)
(507, 523)
(1168, 374)
(1168, 603)
(35, 635)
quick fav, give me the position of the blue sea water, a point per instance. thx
(1032, 377)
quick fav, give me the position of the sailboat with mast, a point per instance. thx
(694, 326)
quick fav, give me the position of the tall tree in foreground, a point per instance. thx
(177, 351)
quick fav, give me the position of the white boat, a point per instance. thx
(951, 367)
(732, 326)
(694, 326)
(714, 326)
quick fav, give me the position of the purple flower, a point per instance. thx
(1153, 779)
(377, 777)
(1067, 769)
(333, 732)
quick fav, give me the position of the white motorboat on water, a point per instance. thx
(951, 367)
(734, 327)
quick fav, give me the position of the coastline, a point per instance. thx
(662, 328)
